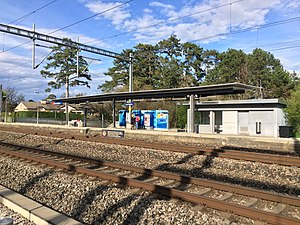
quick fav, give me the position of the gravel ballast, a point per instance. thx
(94, 203)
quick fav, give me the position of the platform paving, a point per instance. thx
(33, 211)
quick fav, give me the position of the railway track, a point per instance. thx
(189, 189)
(223, 153)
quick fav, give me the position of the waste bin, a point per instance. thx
(285, 131)
(196, 128)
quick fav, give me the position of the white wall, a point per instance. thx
(267, 120)
(230, 122)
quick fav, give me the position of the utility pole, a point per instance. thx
(67, 96)
(33, 47)
(37, 107)
(130, 85)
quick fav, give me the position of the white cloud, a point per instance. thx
(117, 15)
(195, 21)
(165, 9)
(293, 4)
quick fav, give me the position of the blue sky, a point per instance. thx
(273, 25)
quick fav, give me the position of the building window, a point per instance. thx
(218, 118)
(204, 118)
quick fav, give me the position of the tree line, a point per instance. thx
(172, 64)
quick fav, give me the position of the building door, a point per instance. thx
(243, 122)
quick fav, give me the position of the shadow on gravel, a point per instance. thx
(266, 151)
(86, 200)
(134, 216)
(207, 163)
(131, 218)
(35, 180)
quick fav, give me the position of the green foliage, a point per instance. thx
(13, 98)
(258, 68)
(3, 96)
(267, 71)
(181, 116)
(62, 64)
(231, 68)
(293, 110)
(167, 64)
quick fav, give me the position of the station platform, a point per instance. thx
(32, 210)
(290, 145)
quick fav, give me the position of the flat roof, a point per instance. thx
(246, 103)
(200, 91)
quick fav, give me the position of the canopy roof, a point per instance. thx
(200, 91)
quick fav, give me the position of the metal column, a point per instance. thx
(191, 114)
(114, 113)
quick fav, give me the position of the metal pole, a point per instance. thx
(67, 96)
(130, 85)
(5, 110)
(84, 116)
(78, 57)
(37, 108)
(114, 113)
(33, 47)
(192, 114)
(130, 72)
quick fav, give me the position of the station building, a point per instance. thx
(253, 117)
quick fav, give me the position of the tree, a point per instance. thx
(119, 73)
(258, 68)
(192, 64)
(13, 98)
(231, 68)
(167, 64)
(293, 109)
(62, 64)
(266, 71)
(50, 96)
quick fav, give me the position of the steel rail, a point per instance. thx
(170, 192)
(168, 175)
(232, 154)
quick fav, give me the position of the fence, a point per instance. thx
(89, 123)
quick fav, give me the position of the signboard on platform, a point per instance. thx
(129, 103)
(113, 133)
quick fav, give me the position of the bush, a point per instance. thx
(293, 110)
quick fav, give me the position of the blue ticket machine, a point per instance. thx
(161, 119)
(148, 119)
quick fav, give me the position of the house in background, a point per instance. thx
(254, 117)
(32, 106)
(47, 107)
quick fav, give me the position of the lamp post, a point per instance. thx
(37, 108)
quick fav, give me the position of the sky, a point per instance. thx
(273, 25)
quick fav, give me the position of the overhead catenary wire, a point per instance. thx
(276, 23)
(77, 22)
(165, 22)
(22, 18)
(92, 16)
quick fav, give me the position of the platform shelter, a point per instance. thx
(186, 93)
